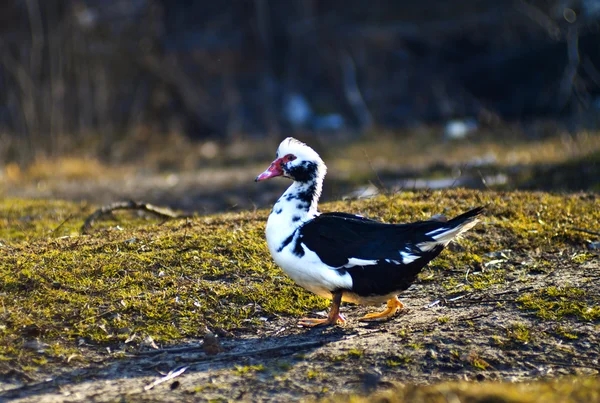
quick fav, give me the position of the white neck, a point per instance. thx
(296, 206)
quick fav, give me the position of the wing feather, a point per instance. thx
(337, 237)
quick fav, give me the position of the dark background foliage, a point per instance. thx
(99, 70)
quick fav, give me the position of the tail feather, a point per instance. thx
(456, 226)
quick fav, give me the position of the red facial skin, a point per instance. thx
(276, 168)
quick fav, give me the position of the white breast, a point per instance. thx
(306, 270)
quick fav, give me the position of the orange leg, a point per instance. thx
(393, 306)
(333, 317)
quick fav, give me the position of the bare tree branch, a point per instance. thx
(162, 212)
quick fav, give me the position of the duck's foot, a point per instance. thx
(334, 314)
(329, 321)
(393, 306)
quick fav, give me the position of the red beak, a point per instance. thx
(274, 170)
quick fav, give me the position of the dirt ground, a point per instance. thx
(440, 336)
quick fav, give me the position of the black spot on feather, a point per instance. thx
(298, 250)
(308, 194)
(304, 172)
(286, 242)
(296, 218)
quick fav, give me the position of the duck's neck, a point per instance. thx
(301, 198)
(296, 206)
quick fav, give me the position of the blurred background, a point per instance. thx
(183, 102)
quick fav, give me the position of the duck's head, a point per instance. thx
(297, 161)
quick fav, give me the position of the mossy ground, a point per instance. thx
(517, 298)
(568, 390)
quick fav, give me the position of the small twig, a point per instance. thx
(171, 375)
(175, 350)
(162, 212)
(62, 223)
(434, 303)
(587, 231)
(98, 315)
(483, 181)
(480, 296)
(381, 184)
(513, 291)
(483, 315)
(479, 301)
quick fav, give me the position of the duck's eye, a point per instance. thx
(289, 157)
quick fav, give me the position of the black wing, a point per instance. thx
(337, 237)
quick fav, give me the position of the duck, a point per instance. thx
(346, 257)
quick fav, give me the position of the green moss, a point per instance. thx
(137, 275)
(582, 257)
(398, 361)
(520, 333)
(485, 279)
(554, 303)
(311, 374)
(443, 319)
(566, 333)
(242, 370)
(355, 353)
(479, 363)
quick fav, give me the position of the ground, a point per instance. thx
(106, 315)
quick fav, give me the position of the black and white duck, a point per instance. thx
(341, 256)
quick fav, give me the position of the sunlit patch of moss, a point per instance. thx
(484, 279)
(355, 353)
(398, 360)
(455, 354)
(450, 283)
(426, 275)
(478, 362)
(540, 266)
(245, 369)
(563, 390)
(312, 374)
(520, 333)
(497, 340)
(566, 333)
(583, 257)
(554, 303)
